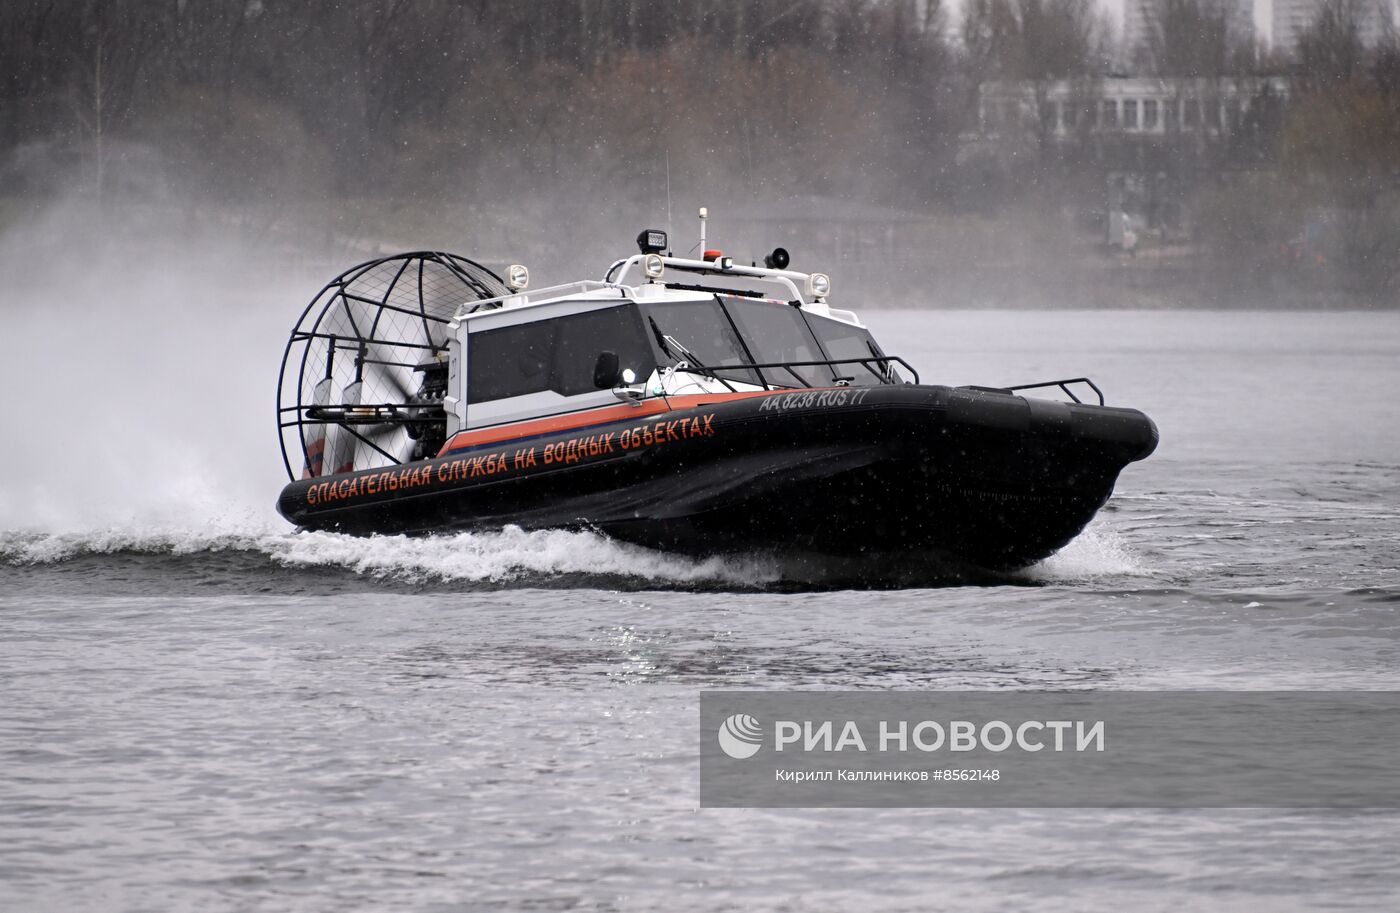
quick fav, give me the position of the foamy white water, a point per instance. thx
(499, 557)
(503, 557)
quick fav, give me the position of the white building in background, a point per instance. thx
(1293, 17)
(1140, 18)
(1130, 108)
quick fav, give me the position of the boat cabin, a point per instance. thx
(396, 356)
(655, 326)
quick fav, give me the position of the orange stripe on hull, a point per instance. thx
(708, 399)
(587, 417)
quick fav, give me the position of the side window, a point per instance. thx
(510, 361)
(845, 341)
(583, 336)
(556, 354)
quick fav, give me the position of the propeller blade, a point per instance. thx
(344, 443)
(391, 437)
(395, 385)
(313, 436)
(391, 379)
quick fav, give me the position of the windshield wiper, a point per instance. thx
(691, 360)
(660, 337)
(675, 345)
(886, 373)
(671, 346)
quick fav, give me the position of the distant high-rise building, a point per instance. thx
(1141, 18)
(1294, 17)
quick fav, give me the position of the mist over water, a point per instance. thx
(168, 365)
(153, 360)
(144, 371)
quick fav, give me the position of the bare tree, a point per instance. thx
(1190, 39)
(1330, 51)
(110, 51)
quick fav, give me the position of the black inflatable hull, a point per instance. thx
(986, 478)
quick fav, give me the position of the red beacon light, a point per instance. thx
(710, 254)
(718, 258)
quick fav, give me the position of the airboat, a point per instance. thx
(695, 405)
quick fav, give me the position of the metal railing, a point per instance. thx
(883, 372)
(1063, 385)
(539, 296)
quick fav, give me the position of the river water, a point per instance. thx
(200, 708)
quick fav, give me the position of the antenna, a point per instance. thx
(669, 226)
(704, 214)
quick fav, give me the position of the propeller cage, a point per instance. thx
(364, 370)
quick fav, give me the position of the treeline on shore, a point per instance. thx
(406, 108)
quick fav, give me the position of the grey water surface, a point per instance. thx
(202, 709)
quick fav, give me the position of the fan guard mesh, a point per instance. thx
(374, 323)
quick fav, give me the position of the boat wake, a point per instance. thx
(315, 562)
(249, 556)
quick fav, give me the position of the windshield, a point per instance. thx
(702, 328)
(776, 333)
(841, 340)
(769, 333)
